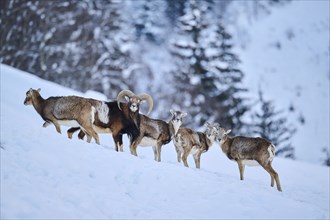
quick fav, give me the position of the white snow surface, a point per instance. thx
(45, 175)
(286, 54)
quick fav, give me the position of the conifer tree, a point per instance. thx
(21, 33)
(207, 74)
(150, 21)
(175, 10)
(80, 44)
(270, 124)
(113, 37)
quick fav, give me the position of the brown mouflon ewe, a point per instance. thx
(249, 151)
(69, 111)
(156, 133)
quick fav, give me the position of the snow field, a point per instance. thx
(44, 175)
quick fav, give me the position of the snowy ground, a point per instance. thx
(44, 175)
(286, 54)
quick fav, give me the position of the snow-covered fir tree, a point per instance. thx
(80, 44)
(64, 45)
(21, 33)
(113, 39)
(174, 10)
(207, 74)
(149, 20)
(229, 93)
(97, 45)
(272, 125)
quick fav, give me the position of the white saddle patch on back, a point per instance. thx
(147, 142)
(103, 112)
(250, 163)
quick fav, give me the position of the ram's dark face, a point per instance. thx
(134, 103)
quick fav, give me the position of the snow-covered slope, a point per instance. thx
(286, 54)
(45, 175)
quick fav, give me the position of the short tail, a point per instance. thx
(271, 151)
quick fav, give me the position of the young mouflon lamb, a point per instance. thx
(187, 142)
(249, 151)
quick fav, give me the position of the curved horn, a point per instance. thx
(123, 93)
(148, 98)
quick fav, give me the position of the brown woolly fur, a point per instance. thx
(65, 110)
(123, 118)
(119, 122)
(247, 150)
(188, 142)
(156, 133)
